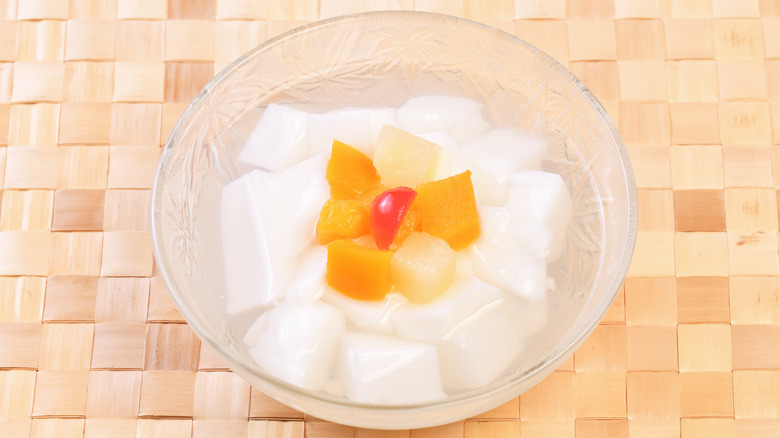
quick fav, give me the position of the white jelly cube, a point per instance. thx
(494, 156)
(308, 283)
(465, 300)
(253, 277)
(388, 370)
(498, 258)
(461, 118)
(470, 129)
(536, 196)
(350, 126)
(478, 352)
(290, 204)
(278, 141)
(296, 343)
(451, 162)
(373, 316)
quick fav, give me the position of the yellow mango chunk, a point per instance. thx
(357, 271)
(342, 219)
(448, 210)
(423, 267)
(403, 159)
(349, 172)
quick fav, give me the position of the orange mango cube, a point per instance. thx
(448, 210)
(358, 272)
(342, 219)
(349, 172)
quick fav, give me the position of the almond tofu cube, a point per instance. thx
(350, 126)
(388, 370)
(370, 316)
(468, 298)
(268, 220)
(477, 352)
(402, 159)
(499, 258)
(459, 117)
(278, 141)
(297, 343)
(423, 267)
(253, 277)
(541, 197)
(494, 156)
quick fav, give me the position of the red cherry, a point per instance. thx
(387, 213)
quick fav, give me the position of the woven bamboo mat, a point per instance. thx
(92, 346)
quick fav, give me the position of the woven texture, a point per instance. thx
(92, 346)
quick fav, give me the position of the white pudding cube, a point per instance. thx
(476, 353)
(459, 117)
(308, 283)
(290, 204)
(494, 156)
(465, 300)
(350, 126)
(451, 162)
(470, 129)
(388, 370)
(498, 258)
(541, 197)
(278, 141)
(253, 277)
(297, 344)
(372, 316)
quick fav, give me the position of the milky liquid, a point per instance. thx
(390, 351)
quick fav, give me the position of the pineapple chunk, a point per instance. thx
(402, 159)
(423, 267)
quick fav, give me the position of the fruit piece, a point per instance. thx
(402, 159)
(349, 172)
(387, 213)
(423, 267)
(367, 198)
(410, 223)
(358, 272)
(340, 219)
(448, 210)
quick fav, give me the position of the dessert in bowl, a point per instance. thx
(282, 263)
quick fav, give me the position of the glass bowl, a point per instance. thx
(381, 59)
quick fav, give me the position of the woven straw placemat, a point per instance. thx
(92, 346)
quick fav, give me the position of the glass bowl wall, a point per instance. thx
(382, 59)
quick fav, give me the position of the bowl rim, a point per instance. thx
(487, 392)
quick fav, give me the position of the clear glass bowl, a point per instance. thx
(381, 59)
